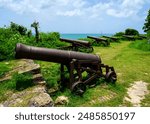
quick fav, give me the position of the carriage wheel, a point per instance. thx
(111, 77)
(78, 88)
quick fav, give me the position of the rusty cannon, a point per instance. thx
(115, 39)
(82, 68)
(77, 44)
(129, 37)
(98, 40)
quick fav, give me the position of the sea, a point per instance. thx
(78, 36)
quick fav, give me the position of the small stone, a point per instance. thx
(61, 100)
(41, 100)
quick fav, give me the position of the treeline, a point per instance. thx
(14, 33)
(128, 31)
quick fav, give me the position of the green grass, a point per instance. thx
(142, 45)
(130, 65)
(6, 89)
(4, 67)
(17, 83)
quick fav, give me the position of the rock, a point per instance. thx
(36, 96)
(1, 105)
(39, 89)
(41, 100)
(136, 93)
(61, 100)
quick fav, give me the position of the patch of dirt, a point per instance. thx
(136, 93)
(107, 97)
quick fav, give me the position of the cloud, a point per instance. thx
(115, 8)
(126, 8)
(75, 12)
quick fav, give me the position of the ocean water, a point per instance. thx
(77, 36)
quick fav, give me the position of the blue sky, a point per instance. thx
(76, 16)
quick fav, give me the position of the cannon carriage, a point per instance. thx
(76, 63)
(98, 40)
(115, 39)
(76, 45)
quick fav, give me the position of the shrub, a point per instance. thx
(130, 31)
(18, 28)
(141, 44)
(119, 34)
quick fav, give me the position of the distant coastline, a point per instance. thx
(77, 36)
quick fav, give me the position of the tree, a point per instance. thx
(130, 31)
(36, 26)
(119, 34)
(18, 28)
(146, 26)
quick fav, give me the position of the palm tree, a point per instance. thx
(36, 26)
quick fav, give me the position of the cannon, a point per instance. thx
(82, 68)
(112, 38)
(141, 37)
(129, 37)
(98, 40)
(77, 44)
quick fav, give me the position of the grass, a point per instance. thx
(4, 67)
(143, 45)
(130, 64)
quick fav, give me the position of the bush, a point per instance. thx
(50, 40)
(18, 28)
(9, 37)
(141, 44)
(130, 31)
(119, 34)
(7, 46)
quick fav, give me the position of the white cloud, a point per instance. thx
(126, 8)
(116, 8)
(75, 12)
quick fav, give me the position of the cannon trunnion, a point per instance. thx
(76, 63)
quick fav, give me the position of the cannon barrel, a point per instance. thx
(86, 43)
(52, 55)
(97, 38)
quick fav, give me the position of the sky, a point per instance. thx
(76, 16)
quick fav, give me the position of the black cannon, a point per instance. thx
(130, 37)
(115, 39)
(77, 44)
(77, 65)
(98, 40)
